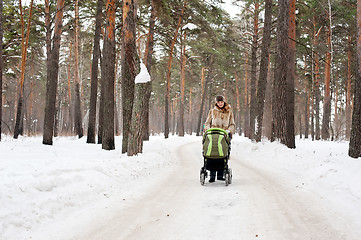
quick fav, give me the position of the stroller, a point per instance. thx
(216, 150)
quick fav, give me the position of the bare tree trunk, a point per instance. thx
(205, 86)
(77, 106)
(148, 63)
(108, 77)
(24, 47)
(317, 82)
(52, 74)
(182, 86)
(129, 67)
(291, 75)
(135, 142)
(1, 64)
(348, 89)
(280, 75)
(328, 76)
(167, 97)
(355, 139)
(262, 81)
(94, 74)
(253, 103)
(246, 101)
(308, 84)
(238, 113)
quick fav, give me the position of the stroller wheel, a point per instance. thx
(202, 176)
(228, 177)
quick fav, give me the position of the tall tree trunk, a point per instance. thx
(308, 85)
(148, 63)
(52, 74)
(348, 88)
(336, 124)
(246, 101)
(290, 88)
(253, 103)
(182, 86)
(77, 106)
(327, 96)
(135, 142)
(204, 89)
(1, 64)
(280, 75)
(129, 67)
(24, 47)
(355, 138)
(238, 113)
(262, 81)
(328, 76)
(316, 82)
(108, 77)
(94, 74)
(167, 95)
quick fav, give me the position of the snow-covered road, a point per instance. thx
(257, 205)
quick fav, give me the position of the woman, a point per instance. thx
(221, 116)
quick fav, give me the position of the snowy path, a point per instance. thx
(254, 206)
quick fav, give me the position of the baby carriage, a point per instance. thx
(216, 150)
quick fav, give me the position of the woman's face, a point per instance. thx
(220, 104)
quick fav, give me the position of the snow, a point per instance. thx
(190, 26)
(60, 189)
(143, 76)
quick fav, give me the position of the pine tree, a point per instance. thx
(355, 139)
(53, 47)
(94, 74)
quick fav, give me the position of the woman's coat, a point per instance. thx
(220, 118)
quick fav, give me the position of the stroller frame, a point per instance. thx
(217, 163)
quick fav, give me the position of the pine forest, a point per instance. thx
(289, 69)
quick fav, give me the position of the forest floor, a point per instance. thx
(311, 192)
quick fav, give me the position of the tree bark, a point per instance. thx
(182, 86)
(308, 84)
(1, 63)
(354, 150)
(77, 106)
(290, 88)
(238, 113)
(280, 75)
(24, 47)
(52, 74)
(204, 89)
(262, 81)
(135, 142)
(167, 95)
(348, 88)
(94, 74)
(129, 67)
(246, 101)
(253, 103)
(317, 82)
(108, 77)
(70, 122)
(327, 96)
(148, 64)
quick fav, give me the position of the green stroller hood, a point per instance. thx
(215, 143)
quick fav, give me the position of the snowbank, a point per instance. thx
(41, 184)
